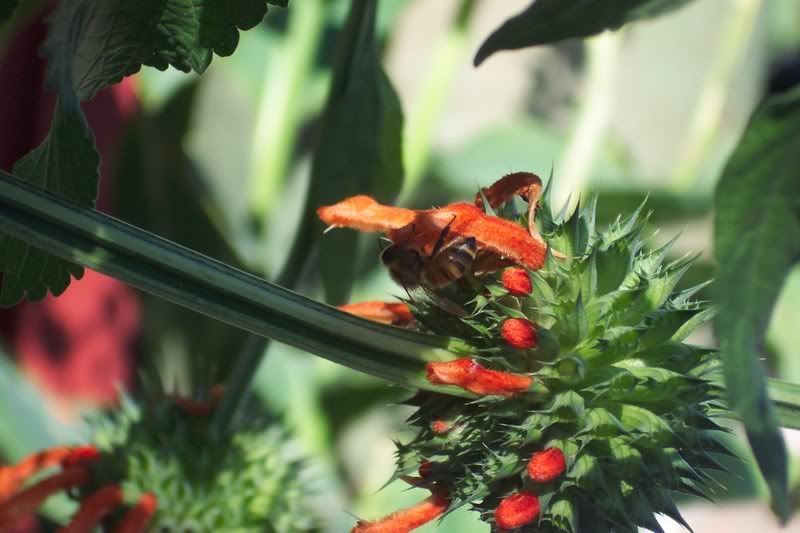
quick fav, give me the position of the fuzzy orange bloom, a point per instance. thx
(27, 501)
(516, 510)
(409, 519)
(517, 282)
(547, 465)
(469, 375)
(12, 476)
(519, 333)
(365, 214)
(395, 314)
(93, 509)
(440, 426)
(138, 517)
(421, 229)
(526, 184)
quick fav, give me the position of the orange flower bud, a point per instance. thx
(517, 282)
(469, 375)
(440, 426)
(81, 455)
(519, 333)
(138, 517)
(93, 509)
(26, 502)
(409, 519)
(547, 465)
(396, 314)
(516, 510)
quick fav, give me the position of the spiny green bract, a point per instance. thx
(246, 481)
(627, 401)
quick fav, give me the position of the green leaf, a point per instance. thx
(359, 149)
(550, 21)
(786, 398)
(202, 284)
(61, 164)
(757, 239)
(93, 44)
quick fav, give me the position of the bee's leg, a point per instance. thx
(442, 236)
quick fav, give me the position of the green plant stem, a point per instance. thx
(591, 122)
(255, 347)
(280, 107)
(450, 53)
(733, 38)
(190, 279)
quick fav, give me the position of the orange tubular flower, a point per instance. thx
(519, 333)
(421, 229)
(12, 476)
(138, 517)
(547, 465)
(81, 455)
(26, 502)
(526, 184)
(516, 510)
(471, 376)
(93, 509)
(395, 314)
(409, 519)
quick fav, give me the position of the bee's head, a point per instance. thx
(404, 264)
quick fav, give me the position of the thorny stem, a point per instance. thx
(592, 120)
(733, 38)
(447, 58)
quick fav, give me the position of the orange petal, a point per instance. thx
(13, 475)
(395, 314)
(365, 214)
(138, 517)
(525, 184)
(81, 455)
(471, 376)
(93, 509)
(26, 502)
(409, 519)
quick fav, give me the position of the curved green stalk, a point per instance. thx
(592, 120)
(733, 37)
(280, 107)
(447, 57)
(195, 281)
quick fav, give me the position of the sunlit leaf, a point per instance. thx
(550, 21)
(757, 239)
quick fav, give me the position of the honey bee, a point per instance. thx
(447, 262)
